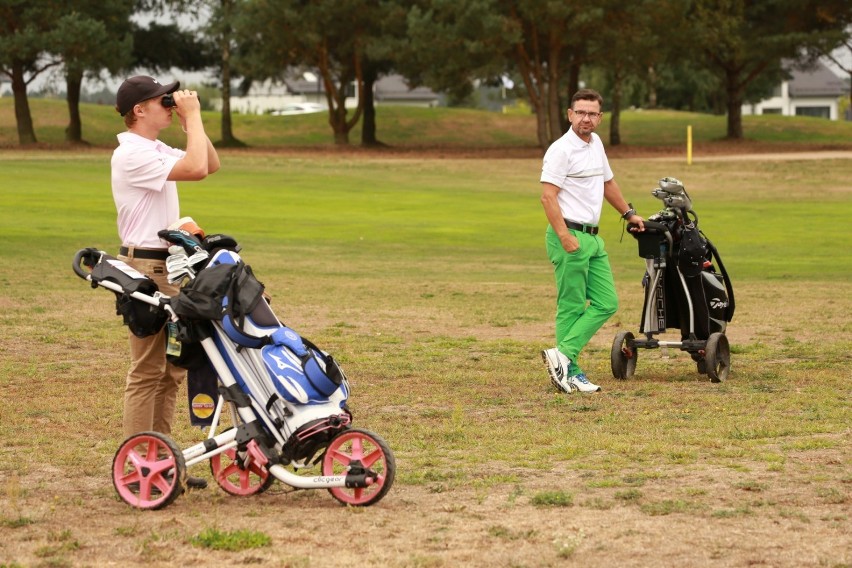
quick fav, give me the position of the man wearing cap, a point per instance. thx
(144, 172)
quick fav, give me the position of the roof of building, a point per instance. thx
(301, 86)
(387, 88)
(818, 81)
(394, 87)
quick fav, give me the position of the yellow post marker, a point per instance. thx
(689, 145)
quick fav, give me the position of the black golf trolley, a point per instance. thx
(683, 290)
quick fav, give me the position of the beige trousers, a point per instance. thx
(150, 392)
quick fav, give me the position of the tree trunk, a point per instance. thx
(554, 125)
(553, 111)
(615, 115)
(536, 93)
(615, 127)
(73, 86)
(735, 110)
(573, 79)
(23, 117)
(335, 95)
(337, 113)
(541, 129)
(368, 126)
(341, 134)
(357, 64)
(228, 138)
(573, 87)
(652, 87)
(227, 126)
(530, 70)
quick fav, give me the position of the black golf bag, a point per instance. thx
(686, 288)
(695, 294)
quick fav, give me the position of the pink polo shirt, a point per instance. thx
(144, 198)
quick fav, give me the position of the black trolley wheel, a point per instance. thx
(623, 355)
(717, 357)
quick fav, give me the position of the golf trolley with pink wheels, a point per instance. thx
(683, 290)
(286, 398)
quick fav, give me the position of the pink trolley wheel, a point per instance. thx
(372, 453)
(148, 471)
(237, 478)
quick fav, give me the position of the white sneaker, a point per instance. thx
(581, 383)
(557, 367)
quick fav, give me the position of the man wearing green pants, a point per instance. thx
(575, 179)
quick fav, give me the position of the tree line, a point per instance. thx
(702, 55)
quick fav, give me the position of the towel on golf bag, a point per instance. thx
(202, 391)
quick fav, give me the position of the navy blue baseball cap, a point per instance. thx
(140, 88)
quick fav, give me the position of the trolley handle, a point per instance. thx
(654, 228)
(91, 257)
(86, 257)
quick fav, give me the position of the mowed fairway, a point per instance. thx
(427, 279)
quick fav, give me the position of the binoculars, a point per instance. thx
(168, 101)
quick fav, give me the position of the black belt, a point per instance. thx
(150, 254)
(591, 229)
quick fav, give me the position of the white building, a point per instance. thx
(262, 98)
(270, 96)
(815, 92)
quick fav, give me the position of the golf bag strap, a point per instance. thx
(235, 310)
(310, 344)
(271, 401)
(235, 395)
(329, 360)
(331, 370)
(729, 312)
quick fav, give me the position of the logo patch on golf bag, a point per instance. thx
(202, 405)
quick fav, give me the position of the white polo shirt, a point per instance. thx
(144, 198)
(579, 170)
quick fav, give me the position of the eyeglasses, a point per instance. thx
(583, 114)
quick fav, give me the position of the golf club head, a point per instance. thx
(671, 185)
(196, 259)
(672, 193)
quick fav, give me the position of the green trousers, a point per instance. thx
(585, 291)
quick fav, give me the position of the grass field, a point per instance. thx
(428, 280)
